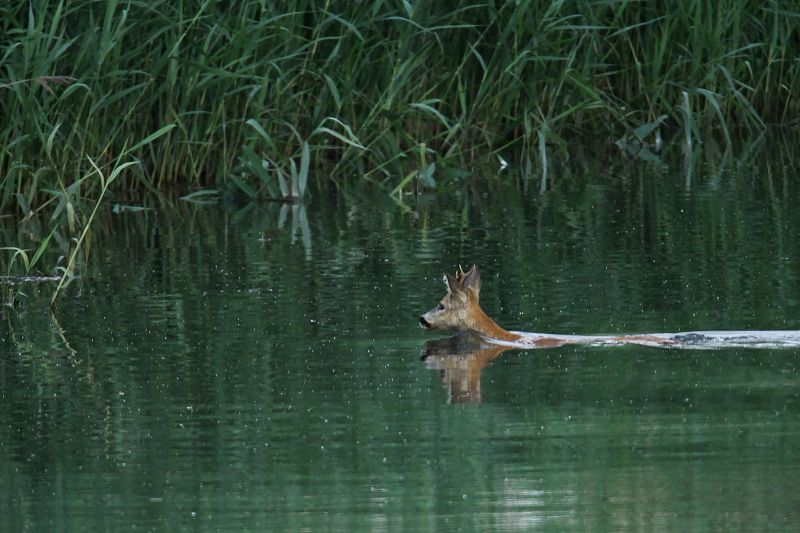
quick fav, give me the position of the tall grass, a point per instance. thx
(354, 91)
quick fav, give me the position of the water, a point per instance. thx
(259, 367)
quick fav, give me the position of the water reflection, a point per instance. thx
(258, 364)
(299, 224)
(459, 360)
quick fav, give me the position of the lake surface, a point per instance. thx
(258, 366)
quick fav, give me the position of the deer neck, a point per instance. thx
(480, 322)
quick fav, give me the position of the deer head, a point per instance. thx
(461, 303)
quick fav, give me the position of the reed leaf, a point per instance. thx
(363, 86)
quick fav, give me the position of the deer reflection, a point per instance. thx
(459, 360)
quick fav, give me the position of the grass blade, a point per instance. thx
(305, 161)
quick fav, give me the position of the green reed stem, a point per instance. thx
(104, 187)
(365, 85)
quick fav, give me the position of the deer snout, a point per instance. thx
(424, 323)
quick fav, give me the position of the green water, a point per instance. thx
(257, 367)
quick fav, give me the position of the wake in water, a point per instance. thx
(695, 340)
(460, 310)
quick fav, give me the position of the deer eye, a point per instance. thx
(440, 307)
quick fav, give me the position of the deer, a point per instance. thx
(460, 311)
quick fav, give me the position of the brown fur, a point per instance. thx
(460, 311)
(460, 308)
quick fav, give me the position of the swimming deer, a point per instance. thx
(460, 311)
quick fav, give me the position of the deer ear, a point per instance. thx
(454, 285)
(472, 280)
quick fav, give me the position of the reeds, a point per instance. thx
(265, 97)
